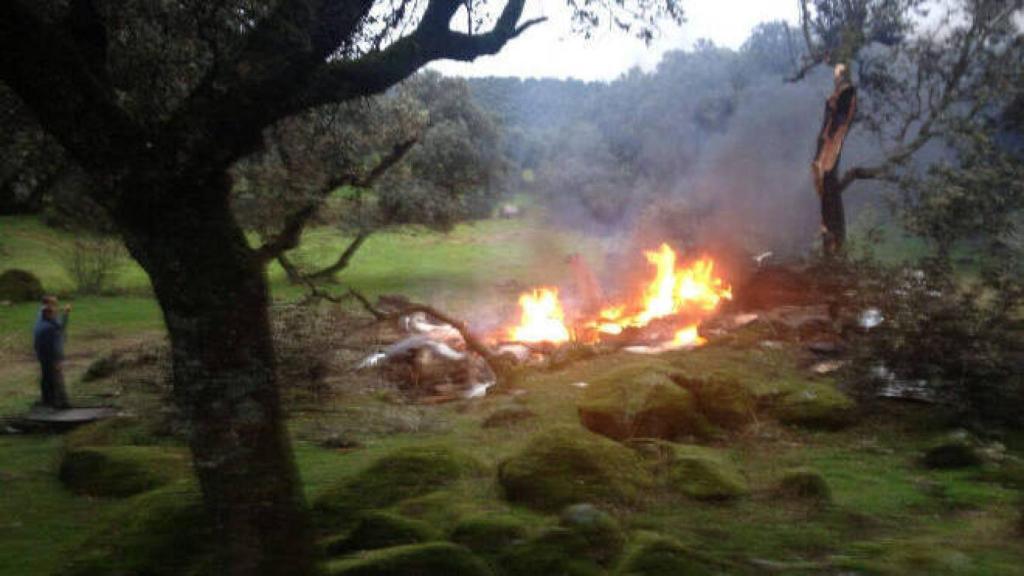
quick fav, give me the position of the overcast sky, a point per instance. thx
(551, 50)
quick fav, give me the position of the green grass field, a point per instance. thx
(888, 515)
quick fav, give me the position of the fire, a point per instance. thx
(688, 337)
(693, 289)
(689, 293)
(541, 318)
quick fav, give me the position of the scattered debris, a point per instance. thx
(870, 318)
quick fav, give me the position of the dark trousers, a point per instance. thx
(54, 394)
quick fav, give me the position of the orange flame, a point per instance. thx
(673, 291)
(541, 318)
(693, 291)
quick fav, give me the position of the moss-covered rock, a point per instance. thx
(119, 471)
(956, 450)
(815, 405)
(490, 535)
(404, 473)
(655, 555)
(508, 416)
(119, 431)
(558, 551)
(381, 530)
(704, 474)
(566, 465)
(805, 483)
(442, 509)
(430, 559)
(724, 402)
(160, 533)
(639, 401)
(20, 286)
(602, 534)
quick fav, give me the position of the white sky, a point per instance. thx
(551, 50)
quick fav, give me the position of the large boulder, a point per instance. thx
(431, 559)
(381, 530)
(639, 401)
(20, 286)
(404, 473)
(565, 465)
(724, 402)
(814, 405)
(119, 471)
(704, 474)
(655, 555)
(164, 532)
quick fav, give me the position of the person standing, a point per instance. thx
(48, 340)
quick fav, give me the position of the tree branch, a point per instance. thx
(290, 234)
(432, 40)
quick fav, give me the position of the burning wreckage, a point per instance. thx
(443, 358)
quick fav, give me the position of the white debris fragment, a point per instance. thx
(479, 389)
(871, 318)
(372, 360)
(760, 258)
(579, 385)
(827, 367)
(741, 320)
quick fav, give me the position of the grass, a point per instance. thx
(888, 515)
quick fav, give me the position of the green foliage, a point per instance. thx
(639, 401)
(20, 286)
(401, 474)
(565, 465)
(119, 471)
(160, 533)
(376, 530)
(805, 483)
(432, 559)
(958, 339)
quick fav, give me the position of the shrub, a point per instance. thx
(93, 263)
(805, 483)
(20, 286)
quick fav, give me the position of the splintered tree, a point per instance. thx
(912, 74)
(156, 102)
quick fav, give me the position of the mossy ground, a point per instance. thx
(888, 514)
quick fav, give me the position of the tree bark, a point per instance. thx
(840, 109)
(213, 292)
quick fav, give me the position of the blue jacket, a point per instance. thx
(48, 338)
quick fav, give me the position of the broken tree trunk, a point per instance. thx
(840, 109)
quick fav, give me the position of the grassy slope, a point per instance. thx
(890, 516)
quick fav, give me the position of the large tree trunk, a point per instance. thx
(213, 293)
(840, 109)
